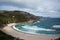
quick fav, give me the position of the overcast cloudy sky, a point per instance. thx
(46, 8)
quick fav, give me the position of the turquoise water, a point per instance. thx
(45, 26)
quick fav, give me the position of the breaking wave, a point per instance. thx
(36, 28)
(56, 26)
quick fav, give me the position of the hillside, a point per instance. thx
(16, 17)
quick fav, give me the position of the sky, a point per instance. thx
(45, 8)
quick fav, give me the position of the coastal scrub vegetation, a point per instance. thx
(15, 17)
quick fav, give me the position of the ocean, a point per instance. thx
(44, 26)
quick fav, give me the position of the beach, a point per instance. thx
(26, 36)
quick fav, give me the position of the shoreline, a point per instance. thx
(10, 31)
(13, 26)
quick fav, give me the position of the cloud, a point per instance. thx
(46, 8)
(5, 7)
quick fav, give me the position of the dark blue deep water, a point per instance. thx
(48, 22)
(44, 26)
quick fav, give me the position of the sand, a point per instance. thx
(26, 36)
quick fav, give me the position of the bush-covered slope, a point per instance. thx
(15, 17)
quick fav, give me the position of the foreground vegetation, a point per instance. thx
(58, 38)
(4, 36)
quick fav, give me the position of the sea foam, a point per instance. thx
(56, 26)
(36, 28)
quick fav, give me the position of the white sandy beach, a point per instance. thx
(26, 36)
